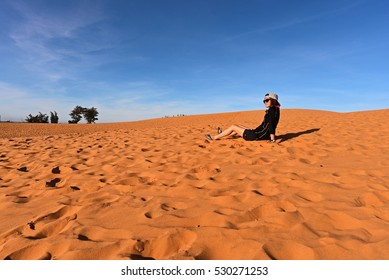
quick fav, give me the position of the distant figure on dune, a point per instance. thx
(266, 130)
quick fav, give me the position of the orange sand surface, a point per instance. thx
(157, 189)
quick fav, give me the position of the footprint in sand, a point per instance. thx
(32, 252)
(20, 196)
(173, 244)
(51, 224)
(288, 250)
(100, 234)
(139, 246)
(56, 170)
(23, 169)
(53, 183)
(31, 225)
(310, 196)
(148, 215)
(167, 207)
(305, 161)
(21, 199)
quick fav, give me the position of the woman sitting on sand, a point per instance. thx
(266, 130)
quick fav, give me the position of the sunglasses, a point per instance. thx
(266, 100)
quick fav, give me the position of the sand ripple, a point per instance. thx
(158, 190)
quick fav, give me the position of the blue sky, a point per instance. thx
(141, 59)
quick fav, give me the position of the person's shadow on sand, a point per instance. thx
(288, 136)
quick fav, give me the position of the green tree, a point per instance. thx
(76, 114)
(40, 118)
(54, 117)
(90, 114)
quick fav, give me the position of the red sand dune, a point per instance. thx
(157, 189)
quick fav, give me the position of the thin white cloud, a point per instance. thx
(52, 43)
(45, 24)
(16, 103)
(274, 27)
(133, 101)
(8, 93)
(292, 22)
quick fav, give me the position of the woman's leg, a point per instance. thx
(231, 131)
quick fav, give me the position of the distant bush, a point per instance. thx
(76, 114)
(40, 118)
(89, 114)
(54, 117)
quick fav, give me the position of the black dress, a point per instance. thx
(267, 127)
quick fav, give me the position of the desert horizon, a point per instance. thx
(157, 189)
(38, 129)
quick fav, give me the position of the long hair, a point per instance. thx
(274, 103)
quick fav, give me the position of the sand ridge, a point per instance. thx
(157, 189)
